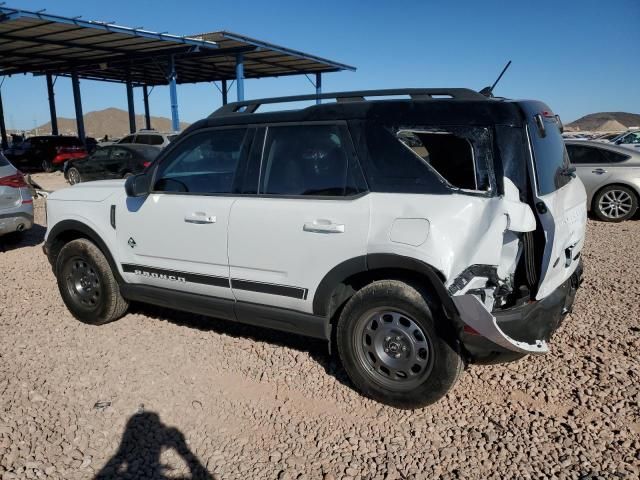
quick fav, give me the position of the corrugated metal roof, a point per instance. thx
(40, 43)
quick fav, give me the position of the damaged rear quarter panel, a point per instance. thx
(463, 229)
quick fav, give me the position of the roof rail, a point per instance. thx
(250, 106)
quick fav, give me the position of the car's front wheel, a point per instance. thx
(87, 284)
(73, 176)
(615, 203)
(394, 349)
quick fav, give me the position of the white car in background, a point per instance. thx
(629, 140)
(149, 137)
(16, 202)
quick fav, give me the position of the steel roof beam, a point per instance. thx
(62, 43)
(286, 51)
(7, 14)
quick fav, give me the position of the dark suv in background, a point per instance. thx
(46, 153)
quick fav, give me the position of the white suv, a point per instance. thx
(149, 137)
(415, 235)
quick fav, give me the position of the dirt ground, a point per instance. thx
(162, 394)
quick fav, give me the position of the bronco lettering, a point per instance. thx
(161, 276)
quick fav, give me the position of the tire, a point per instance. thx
(87, 284)
(47, 166)
(404, 338)
(73, 176)
(127, 175)
(615, 203)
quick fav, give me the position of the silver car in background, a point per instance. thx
(16, 202)
(611, 176)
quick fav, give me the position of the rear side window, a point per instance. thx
(313, 160)
(579, 154)
(613, 157)
(101, 154)
(428, 159)
(120, 154)
(549, 154)
(127, 139)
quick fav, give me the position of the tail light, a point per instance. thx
(15, 181)
(146, 164)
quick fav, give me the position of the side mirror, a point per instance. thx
(137, 185)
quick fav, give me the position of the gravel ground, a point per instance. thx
(161, 394)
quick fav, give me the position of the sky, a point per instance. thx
(579, 56)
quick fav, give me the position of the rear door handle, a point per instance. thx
(323, 226)
(599, 171)
(199, 218)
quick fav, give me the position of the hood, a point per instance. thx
(89, 191)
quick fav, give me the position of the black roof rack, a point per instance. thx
(250, 106)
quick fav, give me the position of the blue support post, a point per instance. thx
(131, 108)
(77, 100)
(240, 77)
(318, 87)
(52, 105)
(173, 93)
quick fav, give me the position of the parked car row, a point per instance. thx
(627, 139)
(47, 152)
(52, 152)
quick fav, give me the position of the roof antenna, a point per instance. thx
(488, 91)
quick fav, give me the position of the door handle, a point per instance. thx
(199, 218)
(599, 171)
(323, 226)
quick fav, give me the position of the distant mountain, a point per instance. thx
(605, 122)
(111, 121)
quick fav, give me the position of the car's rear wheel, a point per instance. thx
(73, 176)
(615, 203)
(47, 166)
(393, 348)
(87, 284)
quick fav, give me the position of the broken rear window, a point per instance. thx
(458, 157)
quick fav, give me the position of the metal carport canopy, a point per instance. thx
(40, 43)
(52, 45)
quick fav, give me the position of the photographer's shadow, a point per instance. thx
(138, 456)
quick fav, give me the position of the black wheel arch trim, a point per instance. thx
(86, 232)
(377, 261)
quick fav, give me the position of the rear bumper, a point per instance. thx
(16, 221)
(519, 330)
